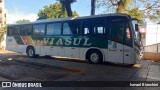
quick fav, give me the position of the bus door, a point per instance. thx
(118, 52)
(127, 47)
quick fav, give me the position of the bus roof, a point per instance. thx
(72, 18)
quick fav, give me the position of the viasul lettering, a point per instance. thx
(67, 41)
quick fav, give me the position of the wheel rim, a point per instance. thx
(94, 57)
(30, 52)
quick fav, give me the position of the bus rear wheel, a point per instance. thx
(31, 52)
(95, 57)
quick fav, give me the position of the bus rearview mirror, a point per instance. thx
(140, 36)
(136, 27)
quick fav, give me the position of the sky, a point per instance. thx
(28, 9)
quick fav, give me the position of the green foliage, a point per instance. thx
(136, 13)
(53, 11)
(152, 11)
(116, 6)
(22, 21)
(149, 8)
(75, 14)
(122, 5)
(2, 32)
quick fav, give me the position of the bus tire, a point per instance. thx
(48, 56)
(130, 65)
(95, 57)
(31, 52)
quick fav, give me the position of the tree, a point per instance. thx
(93, 7)
(111, 6)
(2, 32)
(122, 6)
(136, 13)
(66, 4)
(149, 9)
(22, 21)
(54, 11)
(74, 14)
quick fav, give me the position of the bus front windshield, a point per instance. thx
(137, 36)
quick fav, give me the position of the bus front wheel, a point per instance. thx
(94, 57)
(31, 52)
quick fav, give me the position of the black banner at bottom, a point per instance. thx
(80, 84)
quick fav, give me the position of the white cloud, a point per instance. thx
(18, 14)
(13, 17)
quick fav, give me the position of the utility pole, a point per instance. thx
(156, 37)
(93, 7)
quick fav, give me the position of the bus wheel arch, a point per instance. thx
(30, 51)
(94, 56)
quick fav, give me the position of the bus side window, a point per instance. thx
(99, 28)
(66, 29)
(86, 31)
(95, 27)
(87, 27)
(16, 30)
(74, 26)
(49, 29)
(29, 30)
(10, 31)
(26, 30)
(39, 29)
(57, 28)
(117, 30)
(53, 29)
(23, 30)
(127, 37)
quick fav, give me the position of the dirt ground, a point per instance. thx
(155, 57)
(5, 51)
